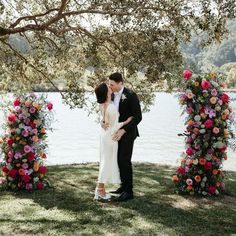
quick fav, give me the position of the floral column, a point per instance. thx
(24, 143)
(208, 133)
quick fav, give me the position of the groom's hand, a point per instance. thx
(118, 135)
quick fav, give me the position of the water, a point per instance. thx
(75, 138)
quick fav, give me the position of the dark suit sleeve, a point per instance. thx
(135, 112)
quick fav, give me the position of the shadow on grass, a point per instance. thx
(155, 210)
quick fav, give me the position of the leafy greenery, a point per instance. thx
(68, 209)
(61, 39)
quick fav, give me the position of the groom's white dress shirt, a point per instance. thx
(117, 97)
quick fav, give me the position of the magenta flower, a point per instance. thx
(187, 74)
(28, 186)
(211, 189)
(208, 123)
(32, 110)
(208, 166)
(10, 154)
(25, 133)
(214, 92)
(25, 166)
(189, 110)
(181, 170)
(205, 84)
(27, 149)
(189, 182)
(12, 118)
(189, 151)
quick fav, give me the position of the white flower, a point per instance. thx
(123, 97)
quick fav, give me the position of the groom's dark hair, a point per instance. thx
(117, 77)
(101, 93)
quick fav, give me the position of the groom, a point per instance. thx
(127, 104)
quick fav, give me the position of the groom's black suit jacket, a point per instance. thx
(129, 106)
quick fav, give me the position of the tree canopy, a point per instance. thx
(46, 41)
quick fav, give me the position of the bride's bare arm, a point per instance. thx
(128, 120)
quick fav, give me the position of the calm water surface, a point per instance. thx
(75, 136)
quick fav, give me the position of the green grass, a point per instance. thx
(68, 207)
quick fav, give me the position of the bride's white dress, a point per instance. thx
(108, 169)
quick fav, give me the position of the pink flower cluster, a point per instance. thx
(24, 143)
(208, 133)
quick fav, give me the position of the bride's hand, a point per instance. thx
(128, 120)
(104, 125)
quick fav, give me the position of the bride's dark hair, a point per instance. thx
(101, 93)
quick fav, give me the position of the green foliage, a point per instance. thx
(50, 40)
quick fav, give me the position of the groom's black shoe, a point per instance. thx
(118, 191)
(124, 197)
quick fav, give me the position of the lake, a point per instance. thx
(75, 138)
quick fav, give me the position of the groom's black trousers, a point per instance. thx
(125, 150)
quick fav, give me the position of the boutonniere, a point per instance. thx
(123, 97)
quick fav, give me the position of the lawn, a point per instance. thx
(67, 208)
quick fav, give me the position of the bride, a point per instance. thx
(108, 169)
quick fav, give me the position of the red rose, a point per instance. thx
(211, 189)
(42, 169)
(10, 141)
(189, 151)
(225, 98)
(12, 118)
(49, 106)
(13, 173)
(25, 178)
(31, 156)
(181, 170)
(16, 102)
(4, 169)
(39, 185)
(208, 123)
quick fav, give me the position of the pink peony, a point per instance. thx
(208, 123)
(216, 130)
(27, 148)
(28, 186)
(225, 98)
(187, 74)
(25, 165)
(211, 189)
(214, 92)
(12, 118)
(189, 151)
(189, 182)
(25, 133)
(205, 84)
(49, 106)
(16, 102)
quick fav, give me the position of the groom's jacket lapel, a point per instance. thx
(122, 101)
